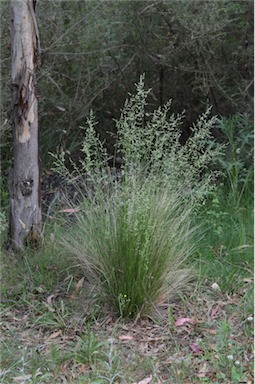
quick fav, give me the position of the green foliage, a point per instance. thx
(48, 338)
(150, 142)
(5, 162)
(195, 52)
(5, 104)
(237, 165)
(3, 223)
(226, 253)
(131, 245)
(35, 271)
(215, 216)
(88, 349)
(226, 216)
(227, 355)
(153, 140)
(131, 236)
(94, 153)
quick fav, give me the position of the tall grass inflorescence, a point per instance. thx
(133, 230)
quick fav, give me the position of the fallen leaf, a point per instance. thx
(216, 287)
(231, 317)
(203, 371)
(54, 335)
(195, 348)
(79, 285)
(202, 374)
(39, 289)
(22, 378)
(215, 310)
(83, 368)
(49, 299)
(184, 320)
(211, 331)
(144, 381)
(63, 367)
(125, 337)
(247, 280)
(62, 109)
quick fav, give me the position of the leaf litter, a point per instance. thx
(180, 347)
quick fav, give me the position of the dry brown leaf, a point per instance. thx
(22, 378)
(195, 348)
(201, 374)
(246, 280)
(231, 317)
(54, 335)
(49, 299)
(215, 310)
(162, 338)
(211, 331)
(63, 367)
(144, 381)
(126, 337)
(184, 320)
(16, 319)
(83, 368)
(79, 285)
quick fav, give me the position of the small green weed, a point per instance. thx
(226, 252)
(226, 357)
(88, 349)
(237, 164)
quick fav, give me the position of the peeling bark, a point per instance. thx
(24, 181)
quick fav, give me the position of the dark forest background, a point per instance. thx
(197, 53)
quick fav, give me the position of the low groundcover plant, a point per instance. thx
(132, 234)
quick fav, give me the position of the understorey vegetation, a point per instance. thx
(147, 260)
(145, 270)
(132, 234)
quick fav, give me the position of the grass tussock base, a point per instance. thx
(131, 244)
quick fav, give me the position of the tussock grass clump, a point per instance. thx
(132, 232)
(131, 245)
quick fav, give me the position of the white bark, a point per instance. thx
(25, 206)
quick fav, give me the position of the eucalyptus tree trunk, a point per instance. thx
(24, 182)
